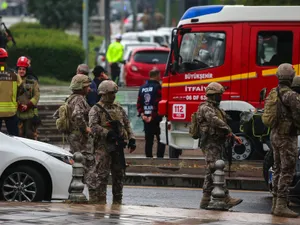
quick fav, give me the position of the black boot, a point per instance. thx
(117, 199)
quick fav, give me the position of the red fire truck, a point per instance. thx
(238, 46)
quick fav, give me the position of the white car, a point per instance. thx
(33, 171)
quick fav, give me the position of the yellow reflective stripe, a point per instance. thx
(15, 90)
(243, 76)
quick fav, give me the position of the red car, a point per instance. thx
(142, 61)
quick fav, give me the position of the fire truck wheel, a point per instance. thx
(244, 151)
(174, 153)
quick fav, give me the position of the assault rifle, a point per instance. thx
(120, 144)
(229, 144)
(9, 34)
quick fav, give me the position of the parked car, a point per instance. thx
(128, 48)
(142, 61)
(153, 36)
(128, 23)
(33, 171)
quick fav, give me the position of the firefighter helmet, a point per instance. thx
(23, 62)
(3, 53)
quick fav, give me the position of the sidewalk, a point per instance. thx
(63, 214)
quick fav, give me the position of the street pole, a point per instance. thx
(107, 25)
(134, 8)
(122, 16)
(167, 18)
(85, 32)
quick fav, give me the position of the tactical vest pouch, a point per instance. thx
(194, 129)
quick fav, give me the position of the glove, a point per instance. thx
(29, 105)
(111, 136)
(131, 143)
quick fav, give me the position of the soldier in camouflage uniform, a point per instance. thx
(79, 129)
(214, 131)
(284, 141)
(105, 141)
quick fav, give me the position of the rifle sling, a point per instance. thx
(105, 111)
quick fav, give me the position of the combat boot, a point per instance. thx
(282, 210)
(93, 197)
(274, 200)
(231, 202)
(205, 201)
(117, 199)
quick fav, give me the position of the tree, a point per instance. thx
(261, 2)
(57, 13)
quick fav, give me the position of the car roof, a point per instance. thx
(150, 49)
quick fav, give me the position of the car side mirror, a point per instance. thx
(262, 94)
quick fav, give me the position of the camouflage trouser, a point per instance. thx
(98, 174)
(78, 143)
(212, 153)
(285, 157)
(27, 129)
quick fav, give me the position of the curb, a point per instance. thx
(191, 181)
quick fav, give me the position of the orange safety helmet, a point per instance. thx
(23, 62)
(3, 53)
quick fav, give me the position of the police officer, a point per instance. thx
(214, 131)
(28, 99)
(114, 56)
(147, 107)
(9, 83)
(78, 135)
(284, 140)
(107, 144)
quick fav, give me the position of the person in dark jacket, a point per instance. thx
(147, 107)
(100, 75)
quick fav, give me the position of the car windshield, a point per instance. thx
(151, 57)
(202, 50)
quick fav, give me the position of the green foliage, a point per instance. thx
(54, 53)
(258, 2)
(45, 80)
(58, 13)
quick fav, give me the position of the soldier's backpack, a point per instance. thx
(63, 118)
(194, 129)
(269, 116)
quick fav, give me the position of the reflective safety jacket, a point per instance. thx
(115, 52)
(9, 82)
(29, 94)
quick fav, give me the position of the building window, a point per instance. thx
(201, 51)
(274, 48)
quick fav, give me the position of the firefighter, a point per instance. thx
(9, 82)
(28, 99)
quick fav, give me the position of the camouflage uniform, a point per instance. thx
(214, 131)
(78, 137)
(29, 94)
(284, 141)
(103, 162)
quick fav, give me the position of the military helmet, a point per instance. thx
(79, 82)
(296, 81)
(107, 86)
(285, 71)
(214, 88)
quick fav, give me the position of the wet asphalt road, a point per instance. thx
(253, 202)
